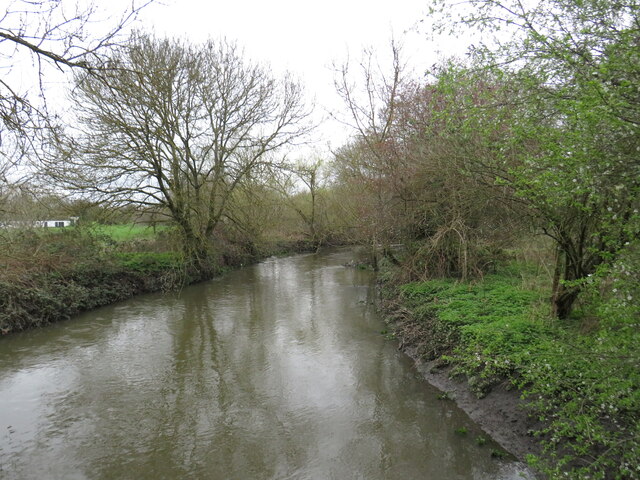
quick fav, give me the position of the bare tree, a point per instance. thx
(35, 36)
(370, 91)
(302, 186)
(370, 94)
(178, 127)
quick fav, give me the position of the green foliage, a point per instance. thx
(568, 148)
(498, 453)
(492, 319)
(149, 262)
(586, 391)
(445, 396)
(584, 382)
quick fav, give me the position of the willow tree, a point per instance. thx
(177, 127)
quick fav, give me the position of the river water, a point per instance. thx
(274, 371)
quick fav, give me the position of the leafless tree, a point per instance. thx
(178, 127)
(38, 37)
(302, 186)
(370, 92)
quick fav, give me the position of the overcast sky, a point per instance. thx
(303, 37)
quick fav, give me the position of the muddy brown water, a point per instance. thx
(274, 371)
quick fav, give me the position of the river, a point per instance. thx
(274, 371)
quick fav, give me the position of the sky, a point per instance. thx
(305, 38)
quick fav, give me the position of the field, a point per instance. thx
(128, 232)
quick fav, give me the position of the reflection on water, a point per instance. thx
(276, 371)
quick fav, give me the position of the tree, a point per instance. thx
(254, 213)
(578, 64)
(178, 127)
(446, 129)
(35, 36)
(307, 203)
(364, 167)
(410, 164)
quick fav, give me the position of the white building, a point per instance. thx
(53, 223)
(39, 223)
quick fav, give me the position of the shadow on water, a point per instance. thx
(275, 371)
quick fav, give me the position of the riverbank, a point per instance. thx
(499, 411)
(51, 277)
(562, 396)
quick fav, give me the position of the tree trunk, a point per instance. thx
(197, 255)
(374, 253)
(555, 286)
(563, 297)
(563, 303)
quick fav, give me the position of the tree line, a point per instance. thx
(535, 133)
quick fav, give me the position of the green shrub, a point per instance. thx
(148, 262)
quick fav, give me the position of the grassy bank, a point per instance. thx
(580, 378)
(52, 275)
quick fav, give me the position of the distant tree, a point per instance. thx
(179, 127)
(302, 186)
(254, 213)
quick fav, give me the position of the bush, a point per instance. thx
(585, 381)
(149, 262)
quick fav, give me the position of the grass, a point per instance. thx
(492, 320)
(149, 262)
(128, 232)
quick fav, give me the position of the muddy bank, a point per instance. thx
(46, 298)
(500, 413)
